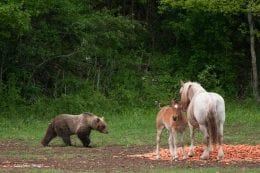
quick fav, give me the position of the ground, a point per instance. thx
(17, 155)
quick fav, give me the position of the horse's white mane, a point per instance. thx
(188, 90)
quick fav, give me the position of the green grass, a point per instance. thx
(137, 127)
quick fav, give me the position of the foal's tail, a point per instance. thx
(157, 104)
(212, 126)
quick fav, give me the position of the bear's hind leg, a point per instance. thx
(50, 134)
(84, 139)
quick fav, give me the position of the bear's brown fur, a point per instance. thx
(65, 125)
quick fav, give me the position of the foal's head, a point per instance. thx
(177, 107)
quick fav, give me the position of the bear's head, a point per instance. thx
(100, 125)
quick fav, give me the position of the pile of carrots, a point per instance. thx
(233, 153)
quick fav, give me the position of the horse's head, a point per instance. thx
(177, 107)
(187, 91)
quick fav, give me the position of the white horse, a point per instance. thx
(206, 111)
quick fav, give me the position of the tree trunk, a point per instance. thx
(98, 78)
(132, 9)
(1, 71)
(124, 7)
(253, 56)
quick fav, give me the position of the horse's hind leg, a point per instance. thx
(183, 145)
(205, 154)
(191, 150)
(210, 145)
(158, 138)
(220, 141)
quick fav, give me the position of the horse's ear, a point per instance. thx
(182, 83)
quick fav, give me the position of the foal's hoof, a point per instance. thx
(157, 157)
(191, 154)
(176, 159)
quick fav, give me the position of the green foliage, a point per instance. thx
(10, 95)
(82, 55)
(215, 6)
(208, 79)
(14, 21)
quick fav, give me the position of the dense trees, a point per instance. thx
(228, 8)
(128, 52)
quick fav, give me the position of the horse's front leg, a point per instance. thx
(191, 150)
(205, 154)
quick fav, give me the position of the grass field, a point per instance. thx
(137, 127)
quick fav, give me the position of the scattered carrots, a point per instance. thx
(233, 153)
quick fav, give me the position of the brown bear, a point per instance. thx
(65, 125)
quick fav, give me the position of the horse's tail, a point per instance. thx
(50, 133)
(212, 125)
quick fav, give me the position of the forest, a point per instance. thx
(82, 55)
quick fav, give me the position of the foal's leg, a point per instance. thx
(191, 150)
(158, 138)
(170, 143)
(175, 154)
(183, 145)
(205, 154)
(220, 141)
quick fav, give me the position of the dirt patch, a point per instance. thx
(17, 155)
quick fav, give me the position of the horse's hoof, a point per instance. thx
(176, 159)
(157, 157)
(220, 157)
(184, 158)
(204, 157)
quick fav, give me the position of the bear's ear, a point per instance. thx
(97, 120)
